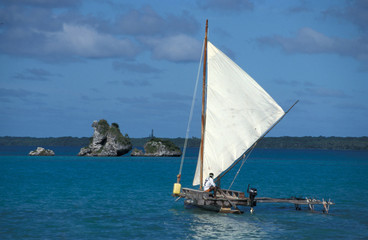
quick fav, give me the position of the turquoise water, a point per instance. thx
(69, 197)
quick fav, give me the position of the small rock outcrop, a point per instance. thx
(158, 148)
(40, 151)
(137, 152)
(107, 141)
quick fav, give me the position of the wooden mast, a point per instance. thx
(203, 105)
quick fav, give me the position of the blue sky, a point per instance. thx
(66, 63)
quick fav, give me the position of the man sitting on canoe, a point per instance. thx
(209, 185)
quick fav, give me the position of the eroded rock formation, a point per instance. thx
(107, 141)
(40, 151)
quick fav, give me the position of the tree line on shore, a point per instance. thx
(335, 143)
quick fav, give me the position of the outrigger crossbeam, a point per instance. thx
(310, 202)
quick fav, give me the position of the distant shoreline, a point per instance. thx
(328, 143)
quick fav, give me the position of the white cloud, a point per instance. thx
(177, 48)
(306, 40)
(354, 11)
(229, 5)
(310, 41)
(85, 41)
(321, 92)
(34, 30)
(35, 74)
(134, 67)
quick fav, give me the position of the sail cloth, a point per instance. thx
(238, 113)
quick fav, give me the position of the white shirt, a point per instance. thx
(208, 183)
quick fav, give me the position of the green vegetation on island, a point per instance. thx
(152, 148)
(49, 141)
(332, 143)
(328, 143)
(158, 147)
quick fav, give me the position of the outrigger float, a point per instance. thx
(236, 114)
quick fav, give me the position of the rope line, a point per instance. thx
(191, 112)
(244, 160)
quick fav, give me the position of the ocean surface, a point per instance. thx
(70, 197)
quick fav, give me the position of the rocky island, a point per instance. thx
(40, 151)
(157, 147)
(107, 141)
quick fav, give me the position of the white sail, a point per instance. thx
(238, 113)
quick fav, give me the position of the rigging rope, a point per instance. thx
(244, 160)
(191, 112)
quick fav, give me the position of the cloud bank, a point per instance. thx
(57, 31)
